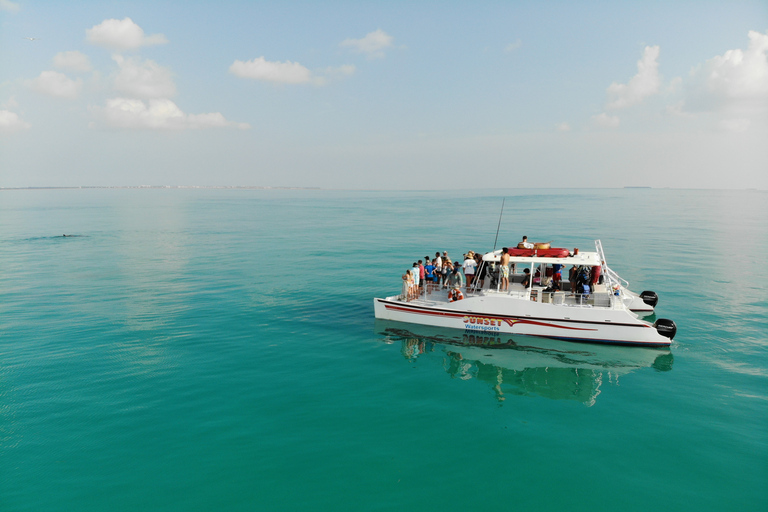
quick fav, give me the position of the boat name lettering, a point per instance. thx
(485, 320)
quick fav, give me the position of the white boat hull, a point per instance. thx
(636, 304)
(501, 313)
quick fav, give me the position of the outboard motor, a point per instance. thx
(650, 298)
(665, 327)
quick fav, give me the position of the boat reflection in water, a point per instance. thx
(525, 365)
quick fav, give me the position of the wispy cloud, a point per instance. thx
(72, 60)
(267, 71)
(606, 121)
(121, 35)
(8, 6)
(287, 72)
(58, 85)
(10, 122)
(372, 45)
(511, 47)
(145, 79)
(156, 114)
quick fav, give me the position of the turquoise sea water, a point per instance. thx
(216, 350)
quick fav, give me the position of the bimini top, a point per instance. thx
(583, 258)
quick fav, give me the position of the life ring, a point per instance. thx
(455, 295)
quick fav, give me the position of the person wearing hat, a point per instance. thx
(447, 269)
(470, 265)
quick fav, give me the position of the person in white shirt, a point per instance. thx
(525, 244)
(469, 268)
(415, 272)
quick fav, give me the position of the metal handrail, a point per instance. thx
(611, 276)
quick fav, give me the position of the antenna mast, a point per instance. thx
(499, 226)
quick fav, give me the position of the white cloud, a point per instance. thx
(280, 72)
(605, 121)
(645, 83)
(58, 85)
(344, 70)
(11, 103)
(73, 61)
(563, 127)
(121, 35)
(739, 125)
(735, 77)
(511, 47)
(331, 74)
(143, 79)
(11, 122)
(7, 5)
(372, 45)
(157, 114)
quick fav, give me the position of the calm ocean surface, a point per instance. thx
(216, 350)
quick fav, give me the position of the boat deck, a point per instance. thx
(438, 296)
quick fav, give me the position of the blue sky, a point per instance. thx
(384, 95)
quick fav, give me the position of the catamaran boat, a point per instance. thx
(603, 311)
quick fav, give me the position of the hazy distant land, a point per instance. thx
(244, 187)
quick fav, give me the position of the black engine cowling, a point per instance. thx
(665, 327)
(650, 298)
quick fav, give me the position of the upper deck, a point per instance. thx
(583, 258)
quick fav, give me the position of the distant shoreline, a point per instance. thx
(244, 187)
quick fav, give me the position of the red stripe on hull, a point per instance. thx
(511, 321)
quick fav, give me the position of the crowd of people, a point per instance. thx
(441, 273)
(470, 273)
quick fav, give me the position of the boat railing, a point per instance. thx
(557, 298)
(598, 300)
(612, 277)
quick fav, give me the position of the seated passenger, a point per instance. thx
(552, 286)
(525, 244)
(527, 279)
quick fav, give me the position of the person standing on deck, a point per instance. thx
(429, 275)
(504, 269)
(481, 272)
(469, 268)
(572, 277)
(415, 272)
(557, 275)
(408, 285)
(422, 274)
(456, 280)
(447, 269)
